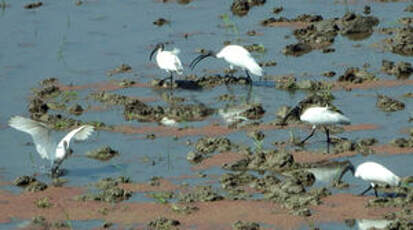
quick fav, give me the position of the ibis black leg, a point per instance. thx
(171, 80)
(249, 79)
(55, 168)
(249, 93)
(308, 137)
(328, 139)
(375, 191)
(368, 189)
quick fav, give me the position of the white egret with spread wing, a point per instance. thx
(46, 146)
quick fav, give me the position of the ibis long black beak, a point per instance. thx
(153, 52)
(198, 59)
(349, 167)
(292, 111)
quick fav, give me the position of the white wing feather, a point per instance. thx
(40, 133)
(169, 61)
(239, 56)
(81, 133)
(175, 51)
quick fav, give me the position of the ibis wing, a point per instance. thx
(176, 51)
(39, 132)
(170, 61)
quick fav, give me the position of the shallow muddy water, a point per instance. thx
(79, 44)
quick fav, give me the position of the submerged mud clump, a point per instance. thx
(110, 192)
(200, 193)
(403, 142)
(216, 80)
(305, 177)
(409, 8)
(297, 49)
(254, 112)
(240, 225)
(271, 160)
(30, 184)
(241, 7)
(356, 75)
(161, 22)
(304, 18)
(163, 223)
(321, 33)
(402, 41)
(207, 145)
(37, 108)
(212, 144)
(388, 104)
(48, 91)
(33, 5)
(362, 146)
(36, 186)
(112, 99)
(103, 154)
(292, 194)
(353, 24)
(23, 181)
(402, 70)
(76, 109)
(137, 110)
(234, 180)
(123, 68)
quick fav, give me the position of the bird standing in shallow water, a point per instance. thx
(319, 116)
(235, 55)
(374, 173)
(46, 146)
(167, 60)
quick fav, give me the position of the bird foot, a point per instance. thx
(56, 172)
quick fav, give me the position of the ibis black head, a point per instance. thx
(206, 54)
(295, 111)
(348, 167)
(159, 46)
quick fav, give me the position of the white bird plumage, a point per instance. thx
(319, 116)
(238, 56)
(235, 55)
(374, 173)
(46, 146)
(168, 60)
(323, 116)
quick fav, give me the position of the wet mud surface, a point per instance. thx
(210, 150)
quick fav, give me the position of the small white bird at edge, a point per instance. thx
(46, 146)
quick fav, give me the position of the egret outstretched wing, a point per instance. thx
(40, 133)
(81, 133)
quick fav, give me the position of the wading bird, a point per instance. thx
(319, 116)
(374, 173)
(235, 55)
(167, 60)
(46, 146)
